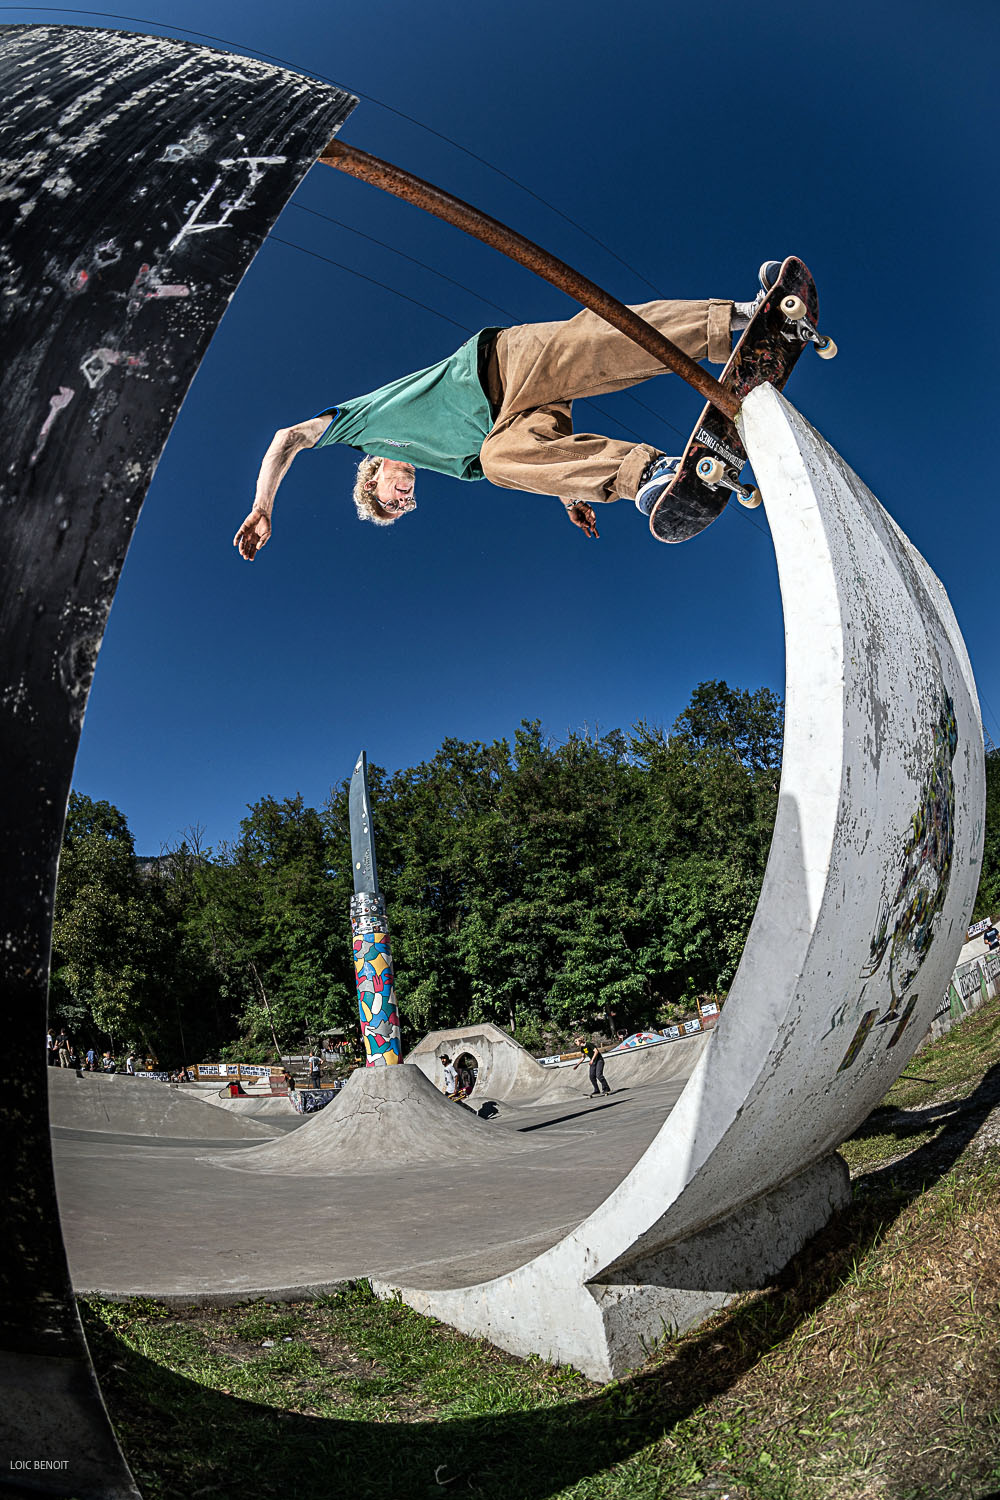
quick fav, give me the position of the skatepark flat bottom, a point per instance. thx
(150, 1216)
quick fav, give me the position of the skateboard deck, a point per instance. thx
(767, 350)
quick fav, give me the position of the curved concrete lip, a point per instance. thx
(871, 876)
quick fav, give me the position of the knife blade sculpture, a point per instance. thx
(370, 934)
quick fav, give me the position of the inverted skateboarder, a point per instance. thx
(500, 408)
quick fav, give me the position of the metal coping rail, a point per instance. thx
(435, 200)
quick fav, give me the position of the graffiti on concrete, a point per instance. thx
(906, 928)
(858, 1040)
(902, 1023)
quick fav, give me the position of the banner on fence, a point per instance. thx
(236, 1070)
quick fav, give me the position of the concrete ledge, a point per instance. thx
(685, 1283)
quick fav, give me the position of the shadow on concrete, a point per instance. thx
(531, 1454)
(578, 1114)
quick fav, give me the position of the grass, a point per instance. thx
(868, 1371)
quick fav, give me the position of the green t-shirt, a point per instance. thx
(437, 418)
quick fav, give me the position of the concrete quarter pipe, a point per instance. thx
(871, 876)
(878, 839)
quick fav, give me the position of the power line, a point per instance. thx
(109, 15)
(315, 254)
(403, 256)
(385, 287)
(372, 239)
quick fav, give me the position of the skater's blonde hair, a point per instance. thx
(365, 500)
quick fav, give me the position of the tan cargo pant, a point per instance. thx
(544, 367)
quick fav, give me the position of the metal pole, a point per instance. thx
(454, 211)
(370, 935)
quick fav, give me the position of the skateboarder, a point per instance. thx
(598, 1082)
(500, 408)
(450, 1078)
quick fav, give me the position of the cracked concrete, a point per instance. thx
(382, 1115)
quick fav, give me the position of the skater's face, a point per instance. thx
(394, 486)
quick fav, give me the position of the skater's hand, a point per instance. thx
(253, 534)
(582, 515)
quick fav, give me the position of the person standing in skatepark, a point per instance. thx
(500, 408)
(593, 1055)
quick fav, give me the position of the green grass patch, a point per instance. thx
(957, 1060)
(868, 1371)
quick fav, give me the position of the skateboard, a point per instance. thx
(709, 470)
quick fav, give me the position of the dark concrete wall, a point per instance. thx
(140, 176)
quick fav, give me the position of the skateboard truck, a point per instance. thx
(713, 472)
(794, 309)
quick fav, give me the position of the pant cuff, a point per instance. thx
(631, 470)
(720, 339)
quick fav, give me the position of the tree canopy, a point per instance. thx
(604, 879)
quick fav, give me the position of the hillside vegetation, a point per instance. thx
(604, 879)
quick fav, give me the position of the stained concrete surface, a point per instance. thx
(150, 1216)
(125, 1105)
(384, 1115)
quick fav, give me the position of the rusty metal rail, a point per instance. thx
(453, 210)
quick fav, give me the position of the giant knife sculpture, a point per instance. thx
(370, 930)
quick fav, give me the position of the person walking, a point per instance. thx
(315, 1064)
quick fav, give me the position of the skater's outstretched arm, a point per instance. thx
(287, 441)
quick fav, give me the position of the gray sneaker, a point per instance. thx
(655, 479)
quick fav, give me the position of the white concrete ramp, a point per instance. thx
(114, 1103)
(871, 877)
(509, 1074)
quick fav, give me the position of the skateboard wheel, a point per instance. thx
(793, 307)
(710, 470)
(826, 348)
(752, 497)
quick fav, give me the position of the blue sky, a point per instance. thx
(692, 140)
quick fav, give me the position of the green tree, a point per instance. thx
(608, 878)
(277, 928)
(105, 934)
